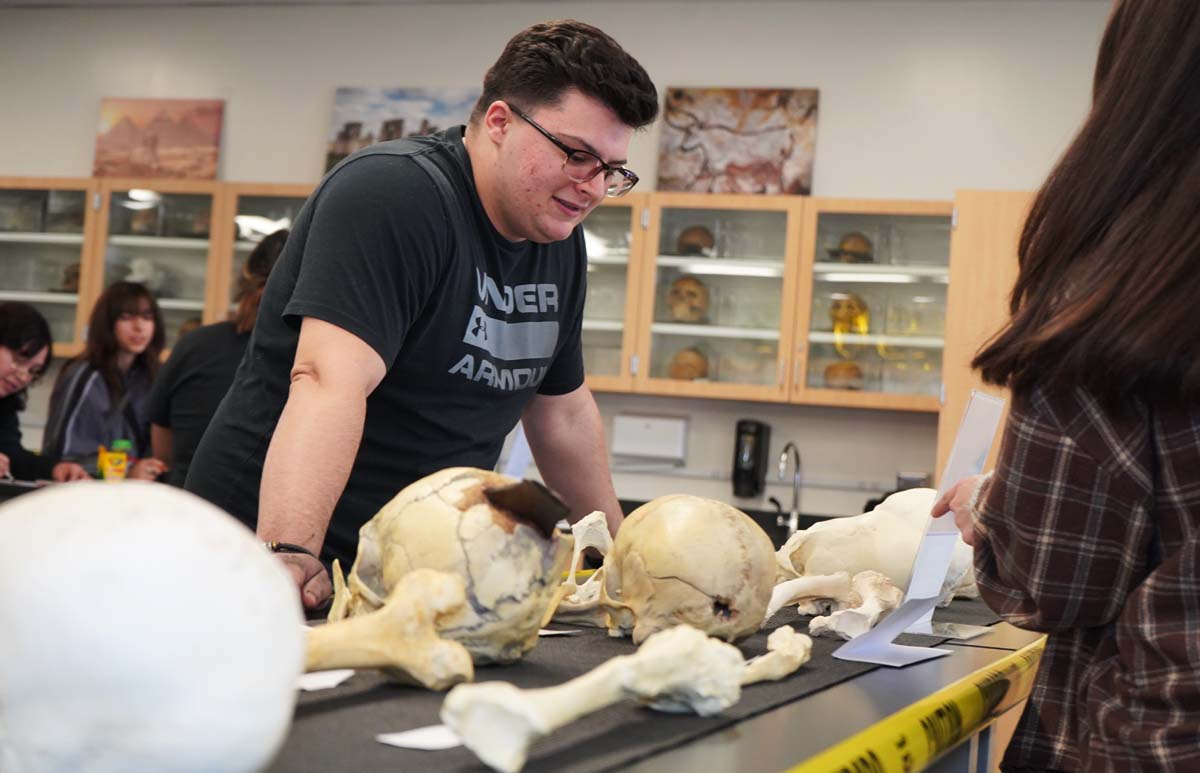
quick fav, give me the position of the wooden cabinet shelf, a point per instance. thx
(738, 297)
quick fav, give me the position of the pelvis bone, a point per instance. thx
(884, 540)
(493, 531)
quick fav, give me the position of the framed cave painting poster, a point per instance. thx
(173, 138)
(726, 140)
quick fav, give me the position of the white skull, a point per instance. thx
(884, 540)
(685, 559)
(143, 629)
(512, 562)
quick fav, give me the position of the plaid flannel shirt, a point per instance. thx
(1090, 532)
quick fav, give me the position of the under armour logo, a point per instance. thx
(480, 330)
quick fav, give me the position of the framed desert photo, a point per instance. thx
(177, 138)
(718, 140)
(364, 116)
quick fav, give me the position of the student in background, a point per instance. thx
(1089, 527)
(200, 369)
(24, 351)
(100, 395)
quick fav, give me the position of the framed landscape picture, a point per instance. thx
(177, 138)
(722, 140)
(364, 116)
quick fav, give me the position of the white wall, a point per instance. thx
(918, 99)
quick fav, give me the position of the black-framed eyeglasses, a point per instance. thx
(583, 165)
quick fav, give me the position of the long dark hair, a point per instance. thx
(255, 271)
(1109, 282)
(25, 332)
(102, 349)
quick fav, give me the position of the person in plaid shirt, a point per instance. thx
(1089, 527)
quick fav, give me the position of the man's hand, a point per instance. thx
(64, 472)
(958, 501)
(310, 577)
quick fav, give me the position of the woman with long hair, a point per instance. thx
(201, 367)
(100, 396)
(25, 346)
(1089, 526)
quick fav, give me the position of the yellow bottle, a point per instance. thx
(112, 463)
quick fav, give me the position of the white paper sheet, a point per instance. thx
(549, 632)
(430, 738)
(974, 440)
(323, 680)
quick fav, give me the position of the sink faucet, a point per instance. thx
(792, 521)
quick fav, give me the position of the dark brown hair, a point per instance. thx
(101, 349)
(25, 332)
(543, 61)
(1108, 293)
(255, 271)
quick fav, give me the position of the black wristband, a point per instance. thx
(288, 547)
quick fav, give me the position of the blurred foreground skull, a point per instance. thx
(143, 629)
(493, 531)
(884, 540)
(685, 559)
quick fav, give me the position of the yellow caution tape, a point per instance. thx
(916, 735)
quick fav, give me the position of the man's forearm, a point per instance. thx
(308, 463)
(566, 437)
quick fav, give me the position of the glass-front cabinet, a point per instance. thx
(873, 304)
(44, 226)
(159, 233)
(613, 236)
(252, 212)
(717, 316)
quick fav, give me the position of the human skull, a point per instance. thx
(849, 313)
(688, 299)
(854, 247)
(685, 559)
(688, 364)
(495, 532)
(144, 629)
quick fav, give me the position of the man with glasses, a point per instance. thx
(429, 298)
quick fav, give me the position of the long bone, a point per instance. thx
(878, 595)
(400, 637)
(835, 587)
(677, 670)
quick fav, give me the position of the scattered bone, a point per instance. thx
(685, 559)
(493, 531)
(677, 670)
(883, 540)
(401, 636)
(786, 652)
(878, 594)
(580, 604)
(807, 592)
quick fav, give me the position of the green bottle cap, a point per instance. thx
(121, 444)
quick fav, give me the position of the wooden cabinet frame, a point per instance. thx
(792, 207)
(981, 273)
(843, 398)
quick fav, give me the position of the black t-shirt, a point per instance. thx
(23, 464)
(190, 386)
(394, 246)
